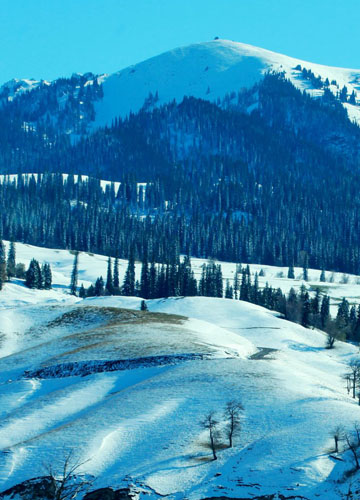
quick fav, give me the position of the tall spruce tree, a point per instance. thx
(109, 279)
(46, 276)
(325, 311)
(2, 264)
(33, 275)
(74, 275)
(145, 279)
(116, 274)
(99, 287)
(128, 287)
(11, 261)
(291, 272)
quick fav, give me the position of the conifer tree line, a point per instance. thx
(36, 276)
(177, 279)
(156, 281)
(250, 188)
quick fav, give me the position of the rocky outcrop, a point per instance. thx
(40, 488)
(109, 494)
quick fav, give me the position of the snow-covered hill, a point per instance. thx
(209, 71)
(128, 389)
(141, 425)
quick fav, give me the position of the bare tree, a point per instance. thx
(347, 378)
(68, 484)
(354, 374)
(211, 424)
(338, 434)
(232, 415)
(353, 447)
(357, 432)
(332, 334)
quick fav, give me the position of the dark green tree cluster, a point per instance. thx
(38, 277)
(347, 321)
(156, 281)
(8, 267)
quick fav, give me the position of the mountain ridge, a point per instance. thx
(208, 70)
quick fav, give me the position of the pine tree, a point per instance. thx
(33, 275)
(47, 276)
(342, 318)
(145, 280)
(109, 279)
(116, 274)
(305, 313)
(143, 306)
(305, 269)
(11, 261)
(152, 280)
(322, 276)
(99, 287)
(291, 272)
(90, 292)
(74, 275)
(236, 285)
(2, 265)
(325, 311)
(82, 291)
(128, 287)
(228, 291)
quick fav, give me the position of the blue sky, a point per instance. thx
(51, 38)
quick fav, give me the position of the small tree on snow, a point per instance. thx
(67, 482)
(232, 415)
(353, 447)
(353, 375)
(338, 435)
(210, 424)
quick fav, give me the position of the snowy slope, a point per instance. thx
(209, 70)
(16, 87)
(143, 424)
(293, 396)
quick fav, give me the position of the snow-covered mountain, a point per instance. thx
(210, 70)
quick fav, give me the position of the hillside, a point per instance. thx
(211, 70)
(149, 378)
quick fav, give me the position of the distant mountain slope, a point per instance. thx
(209, 71)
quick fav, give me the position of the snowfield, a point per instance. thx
(127, 389)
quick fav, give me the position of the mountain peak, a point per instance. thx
(211, 70)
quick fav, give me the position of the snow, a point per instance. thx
(104, 184)
(209, 71)
(19, 86)
(141, 425)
